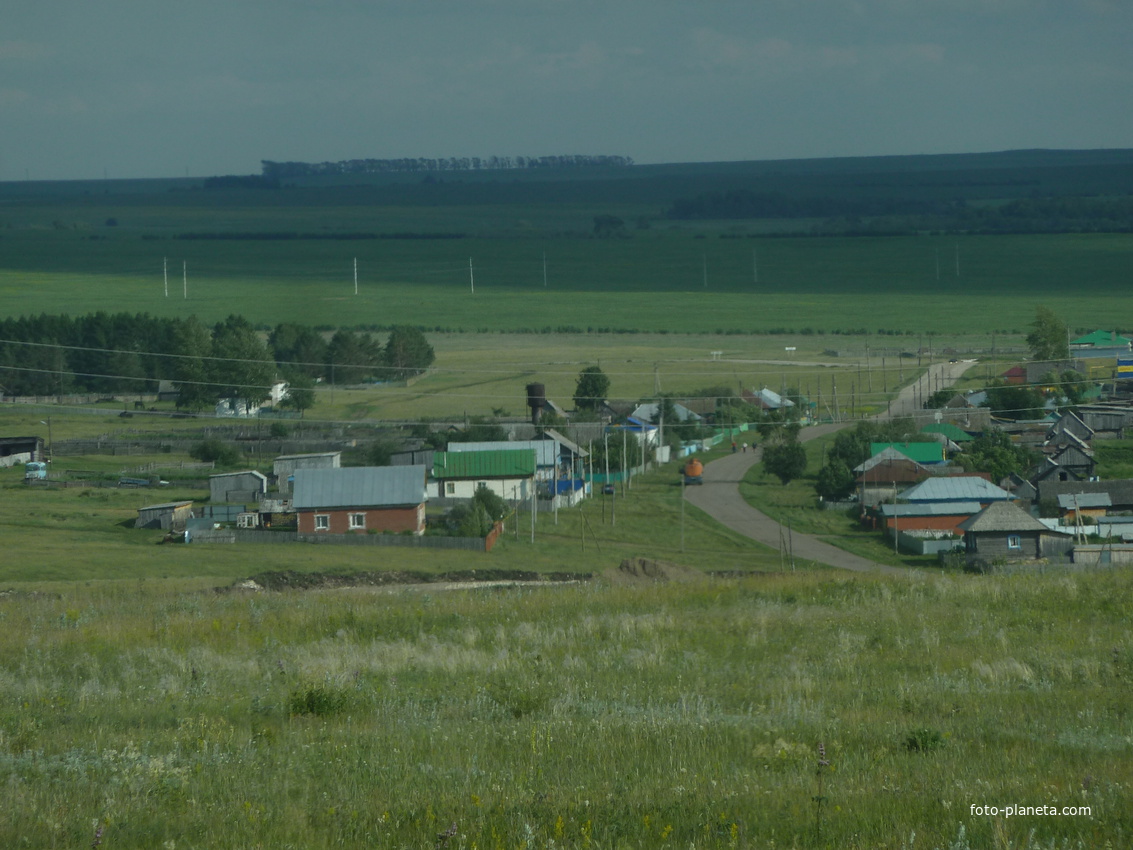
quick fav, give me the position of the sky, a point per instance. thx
(151, 88)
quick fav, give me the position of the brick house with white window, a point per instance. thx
(357, 500)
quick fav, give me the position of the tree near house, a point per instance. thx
(192, 370)
(783, 454)
(994, 453)
(591, 388)
(1014, 402)
(300, 394)
(1049, 338)
(242, 367)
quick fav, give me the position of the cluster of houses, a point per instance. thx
(928, 504)
(314, 494)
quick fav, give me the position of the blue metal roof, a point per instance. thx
(359, 486)
(955, 489)
(931, 509)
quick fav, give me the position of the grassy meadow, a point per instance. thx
(616, 714)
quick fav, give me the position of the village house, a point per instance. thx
(956, 488)
(1004, 531)
(360, 499)
(509, 474)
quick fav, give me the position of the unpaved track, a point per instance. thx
(720, 497)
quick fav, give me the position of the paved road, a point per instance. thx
(720, 497)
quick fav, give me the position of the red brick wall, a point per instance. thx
(914, 523)
(377, 519)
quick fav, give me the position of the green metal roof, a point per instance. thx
(920, 452)
(503, 463)
(952, 432)
(1102, 338)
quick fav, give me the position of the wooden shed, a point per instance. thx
(171, 516)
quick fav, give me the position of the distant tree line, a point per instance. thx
(130, 352)
(283, 236)
(897, 215)
(284, 170)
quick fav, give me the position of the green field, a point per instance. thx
(651, 282)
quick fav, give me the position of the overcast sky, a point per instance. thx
(150, 88)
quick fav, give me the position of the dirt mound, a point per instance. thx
(646, 570)
(291, 580)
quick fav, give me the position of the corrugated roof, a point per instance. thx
(1002, 516)
(489, 464)
(931, 452)
(359, 486)
(546, 451)
(1071, 501)
(1102, 338)
(952, 432)
(955, 489)
(931, 509)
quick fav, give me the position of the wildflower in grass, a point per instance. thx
(97, 837)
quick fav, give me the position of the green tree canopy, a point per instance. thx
(994, 453)
(1049, 338)
(407, 352)
(591, 388)
(243, 368)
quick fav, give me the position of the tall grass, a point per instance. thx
(580, 716)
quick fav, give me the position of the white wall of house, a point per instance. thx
(510, 489)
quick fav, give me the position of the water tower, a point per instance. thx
(536, 400)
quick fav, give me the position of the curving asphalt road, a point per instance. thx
(720, 497)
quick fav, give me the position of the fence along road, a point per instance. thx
(720, 498)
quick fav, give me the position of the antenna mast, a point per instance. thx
(471, 278)
(185, 278)
(355, 275)
(165, 274)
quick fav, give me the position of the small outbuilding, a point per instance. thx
(285, 466)
(171, 516)
(237, 488)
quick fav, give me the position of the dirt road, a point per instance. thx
(720, 497)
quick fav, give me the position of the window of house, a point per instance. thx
(450, 488)
(322, 522)
(357, 520)
(1014, 541)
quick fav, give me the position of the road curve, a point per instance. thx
(720, 497)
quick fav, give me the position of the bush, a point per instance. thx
(317, 700)
(216, 451)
